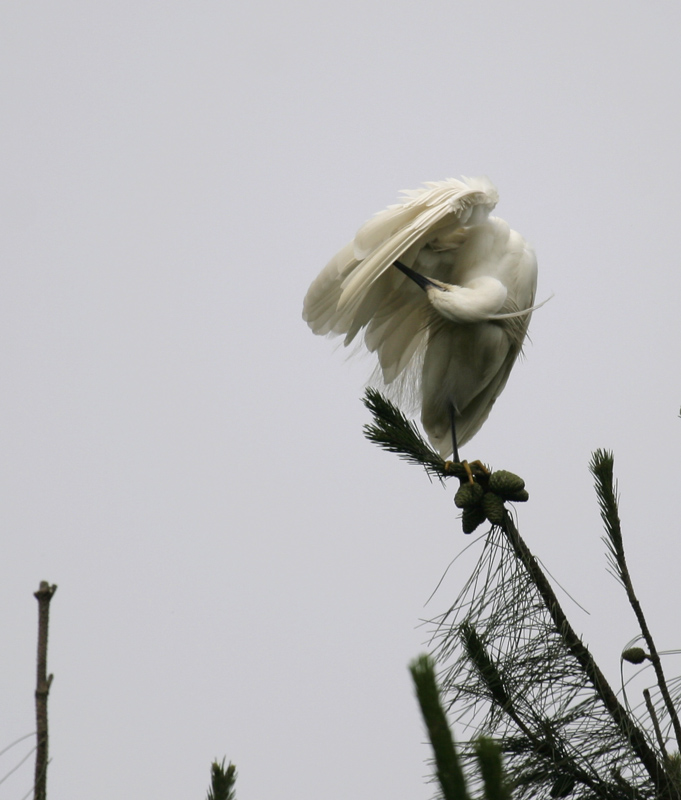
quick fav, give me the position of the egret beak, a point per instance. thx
(420, 280)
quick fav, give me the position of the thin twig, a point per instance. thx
(654, 658)
(656, 724)
(43, 683)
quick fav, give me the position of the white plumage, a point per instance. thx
(450, 341)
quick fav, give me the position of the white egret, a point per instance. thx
(443, 293)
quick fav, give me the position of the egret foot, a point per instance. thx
(468, 472)
(480, 466)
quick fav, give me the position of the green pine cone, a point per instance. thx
(471, 518)
(518, 497)
(635, 655)
(469, 495)
(493, 508)
(504, 483)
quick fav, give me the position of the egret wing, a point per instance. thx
(384, 238)
(320, 307)
(469, 366)
(356, 283)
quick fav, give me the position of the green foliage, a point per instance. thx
(515, 670)
(488, 754)
(392, 431)
(481, 494)
(486, 668)
(601, 466)
(449, 773)
(222, 781)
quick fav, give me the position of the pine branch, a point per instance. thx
(222, 781)
(565, 772)
(531, 684)
(449, 772)
(488, 754)
(629, 730)
(392, 431)
(557, 718)
(656, 724)
(601, 467)
(487, 669)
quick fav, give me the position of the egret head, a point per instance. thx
(478, 301)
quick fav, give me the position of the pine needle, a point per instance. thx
(392, 431)
(510, 675)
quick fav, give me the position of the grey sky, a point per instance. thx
(240, 573)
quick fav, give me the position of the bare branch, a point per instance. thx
(44, 596)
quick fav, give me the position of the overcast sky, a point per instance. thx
(240, 572)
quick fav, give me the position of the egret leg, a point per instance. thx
(455, 449)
